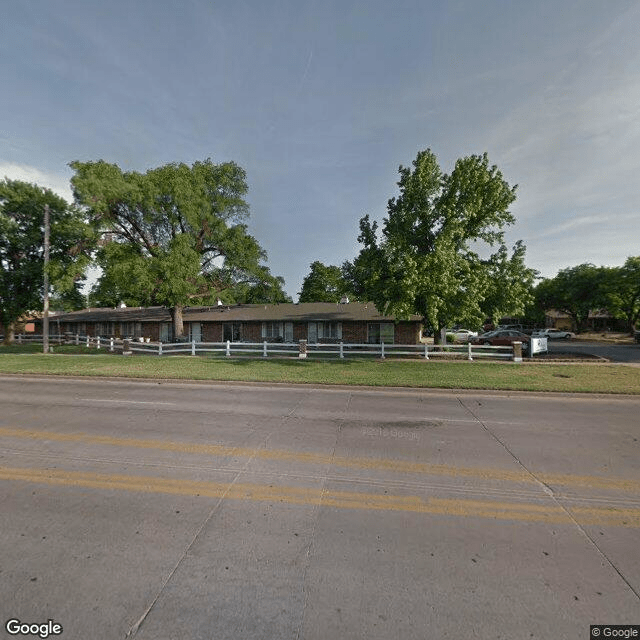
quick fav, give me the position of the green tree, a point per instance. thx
(623, 292)
(323, 284)
(268, 291)
(22, 250)
(510, 284)
(575, 291)
(442, 253)
(173, 236)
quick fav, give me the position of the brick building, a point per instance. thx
(318, 322)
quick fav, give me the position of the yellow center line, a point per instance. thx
(339, 499)
(397, 466)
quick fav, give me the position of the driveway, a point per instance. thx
(613, 352)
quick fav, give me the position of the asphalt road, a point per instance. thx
(613, 352)
(169, 511)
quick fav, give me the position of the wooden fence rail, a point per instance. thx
(265, 349)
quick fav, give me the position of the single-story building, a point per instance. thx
(597, 320)
(317, 322)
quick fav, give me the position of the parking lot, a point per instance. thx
(629, 353)
(157, 510)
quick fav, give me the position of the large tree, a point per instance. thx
(575, 291)
(323, 284)
(442, 253)
(173, 236)
(623, 291)
(22, 250)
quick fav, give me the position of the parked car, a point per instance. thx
(637, 336)
(503, 337)
(554, 334)
(462, 335)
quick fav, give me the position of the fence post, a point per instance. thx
(126, 348)
(193, 347)
(469, 346)
(426, 352)
(98, 342)
(88, 342)
(381, 349)
(228, 348)
(517, 351)
(77, 339)
(264, 349)
(160, 348)
(341, 349)
(111, 344)
(302, 349)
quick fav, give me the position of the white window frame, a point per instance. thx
(235, 326)
(317, 330)
(272, 330)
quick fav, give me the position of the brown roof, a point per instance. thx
(242, 312)
(126, 314)
(292, 312)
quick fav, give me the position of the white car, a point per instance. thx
(556, 334)
(462, 335)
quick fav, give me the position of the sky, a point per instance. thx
(321, 102)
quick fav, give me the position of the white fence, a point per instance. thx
(279, 349)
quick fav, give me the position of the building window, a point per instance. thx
(273, 330)
(104, 328)
(378, 332)
(288, 332)
(232, 332)
(130, 329)
(319, 331)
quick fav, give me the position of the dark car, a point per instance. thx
(503, 337)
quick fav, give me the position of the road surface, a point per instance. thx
(156, 510)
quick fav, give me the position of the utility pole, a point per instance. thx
(45, 317)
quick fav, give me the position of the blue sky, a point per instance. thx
(320, 102)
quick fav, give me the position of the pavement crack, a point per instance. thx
(136, 627)
(549, 491)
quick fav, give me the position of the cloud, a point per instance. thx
(583, 221)
(56, 182)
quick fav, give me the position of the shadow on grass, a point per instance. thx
(18, 349)
(296, 364)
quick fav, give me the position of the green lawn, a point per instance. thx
(588, 378)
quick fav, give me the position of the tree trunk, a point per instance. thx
(178, 325)
(440, 335)
(9, 333)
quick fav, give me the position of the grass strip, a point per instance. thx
(583, 378)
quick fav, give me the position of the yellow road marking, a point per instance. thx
(339, 499)
(398, 466)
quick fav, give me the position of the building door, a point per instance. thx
(288, 331)
(195, 332)
(166, 332)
